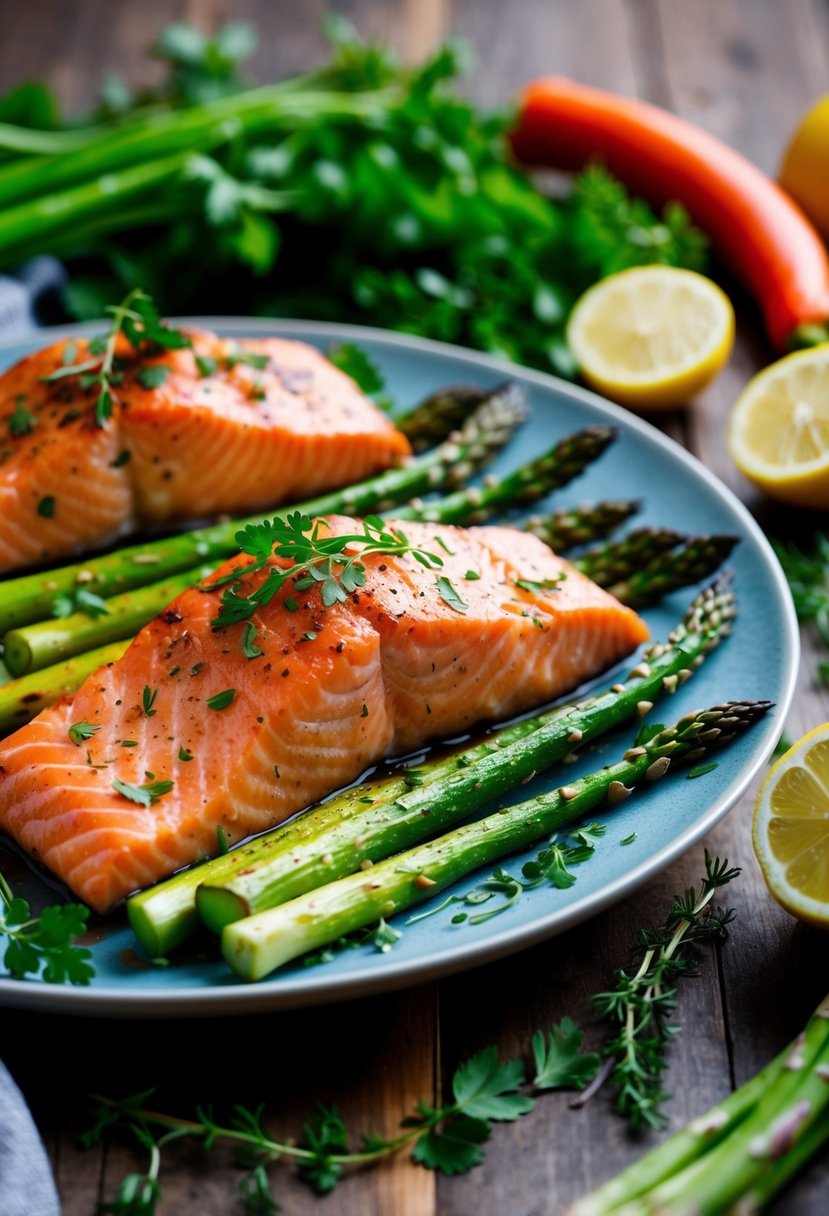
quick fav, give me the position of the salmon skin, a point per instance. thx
(246, 742)
(233, 426)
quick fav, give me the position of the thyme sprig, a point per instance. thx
(643, 1000)
(314, 559)
(136, 317)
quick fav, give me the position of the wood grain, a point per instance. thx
(744, 71)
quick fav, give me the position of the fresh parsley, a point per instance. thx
(221, 700)
(147, 794)
(314, 559)
(22, 421)
(153, 375)
(79, 731)
(44, 945)
(450, 596)
(249, 642)
(559, 1060)
(46, 506)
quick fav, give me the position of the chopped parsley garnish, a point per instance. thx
(123, 457)
(449, 595)
(152, 376)
(248, 358)
(129, 743)
(471, 575)
(184, 753)
(22, 422)
(206, 365)
(221, 700)
(316, 559)
(148, 699)
(628, 839)
(79, 731)
(249, 646)
(702, 769)
(46, 506)
(536, 587)
(145, 795)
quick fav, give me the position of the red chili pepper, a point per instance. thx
(757, 229)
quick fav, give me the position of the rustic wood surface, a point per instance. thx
(744, 70)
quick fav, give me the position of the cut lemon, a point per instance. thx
(653, 337)
(778, 434)
(791, 828)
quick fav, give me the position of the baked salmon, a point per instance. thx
(227, 426)
(212, 731)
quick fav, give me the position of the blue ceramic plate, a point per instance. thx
(677, 491)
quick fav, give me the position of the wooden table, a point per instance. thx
(744, 70)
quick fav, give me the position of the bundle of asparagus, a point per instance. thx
(738, 1155)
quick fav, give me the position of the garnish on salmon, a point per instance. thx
(245, 727)
(89, 452)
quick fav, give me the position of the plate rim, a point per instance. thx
(239, 999)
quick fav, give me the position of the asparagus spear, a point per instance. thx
(697, 558)
(37, 645)
(441, 413)
(571, 526)
(21, 699)
(532, 481)
(257, 945)
(610, 563)
(34, 647)
(486, 431)
(633, 1188)
(363, 823)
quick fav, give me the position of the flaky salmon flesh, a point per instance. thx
(216, 435)
(241, 743)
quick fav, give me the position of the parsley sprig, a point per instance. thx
(43, 945)
(314, 559)
(136, 317)
(448, 1137)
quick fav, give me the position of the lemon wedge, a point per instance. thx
(791, 828)
(778, 433)
(652, 337)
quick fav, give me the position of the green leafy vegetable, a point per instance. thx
(44, 945)
(559, 1060)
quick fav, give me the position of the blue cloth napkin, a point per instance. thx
(22, 294)
(26, 1184)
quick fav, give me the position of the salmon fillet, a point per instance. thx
(335, 690)
(217, 435)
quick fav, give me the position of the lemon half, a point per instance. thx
(779, 429)
(652, 337)
(791, 828)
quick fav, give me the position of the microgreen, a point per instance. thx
(315, 559)
(44, 945)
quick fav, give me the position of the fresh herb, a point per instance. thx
(357, 364)
(628, 839)
(783, 745)
(123, 457)
(206, 365)
(145, 795)
(82, 600)
(450, 596)
(152, 376)
(249, 644)
(538, 587)
(308, 637)
(79, 731)
(221, 840)
(21, 422)
(807, 573)
(137, 319)
(184, 754)
(559, 1060)
(221, 700)
(702, 769)
(46, 506)
(246, 357)
(643, 1000)
(148, 700)
(44, 945)
(449, 1137)
(315, 559)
